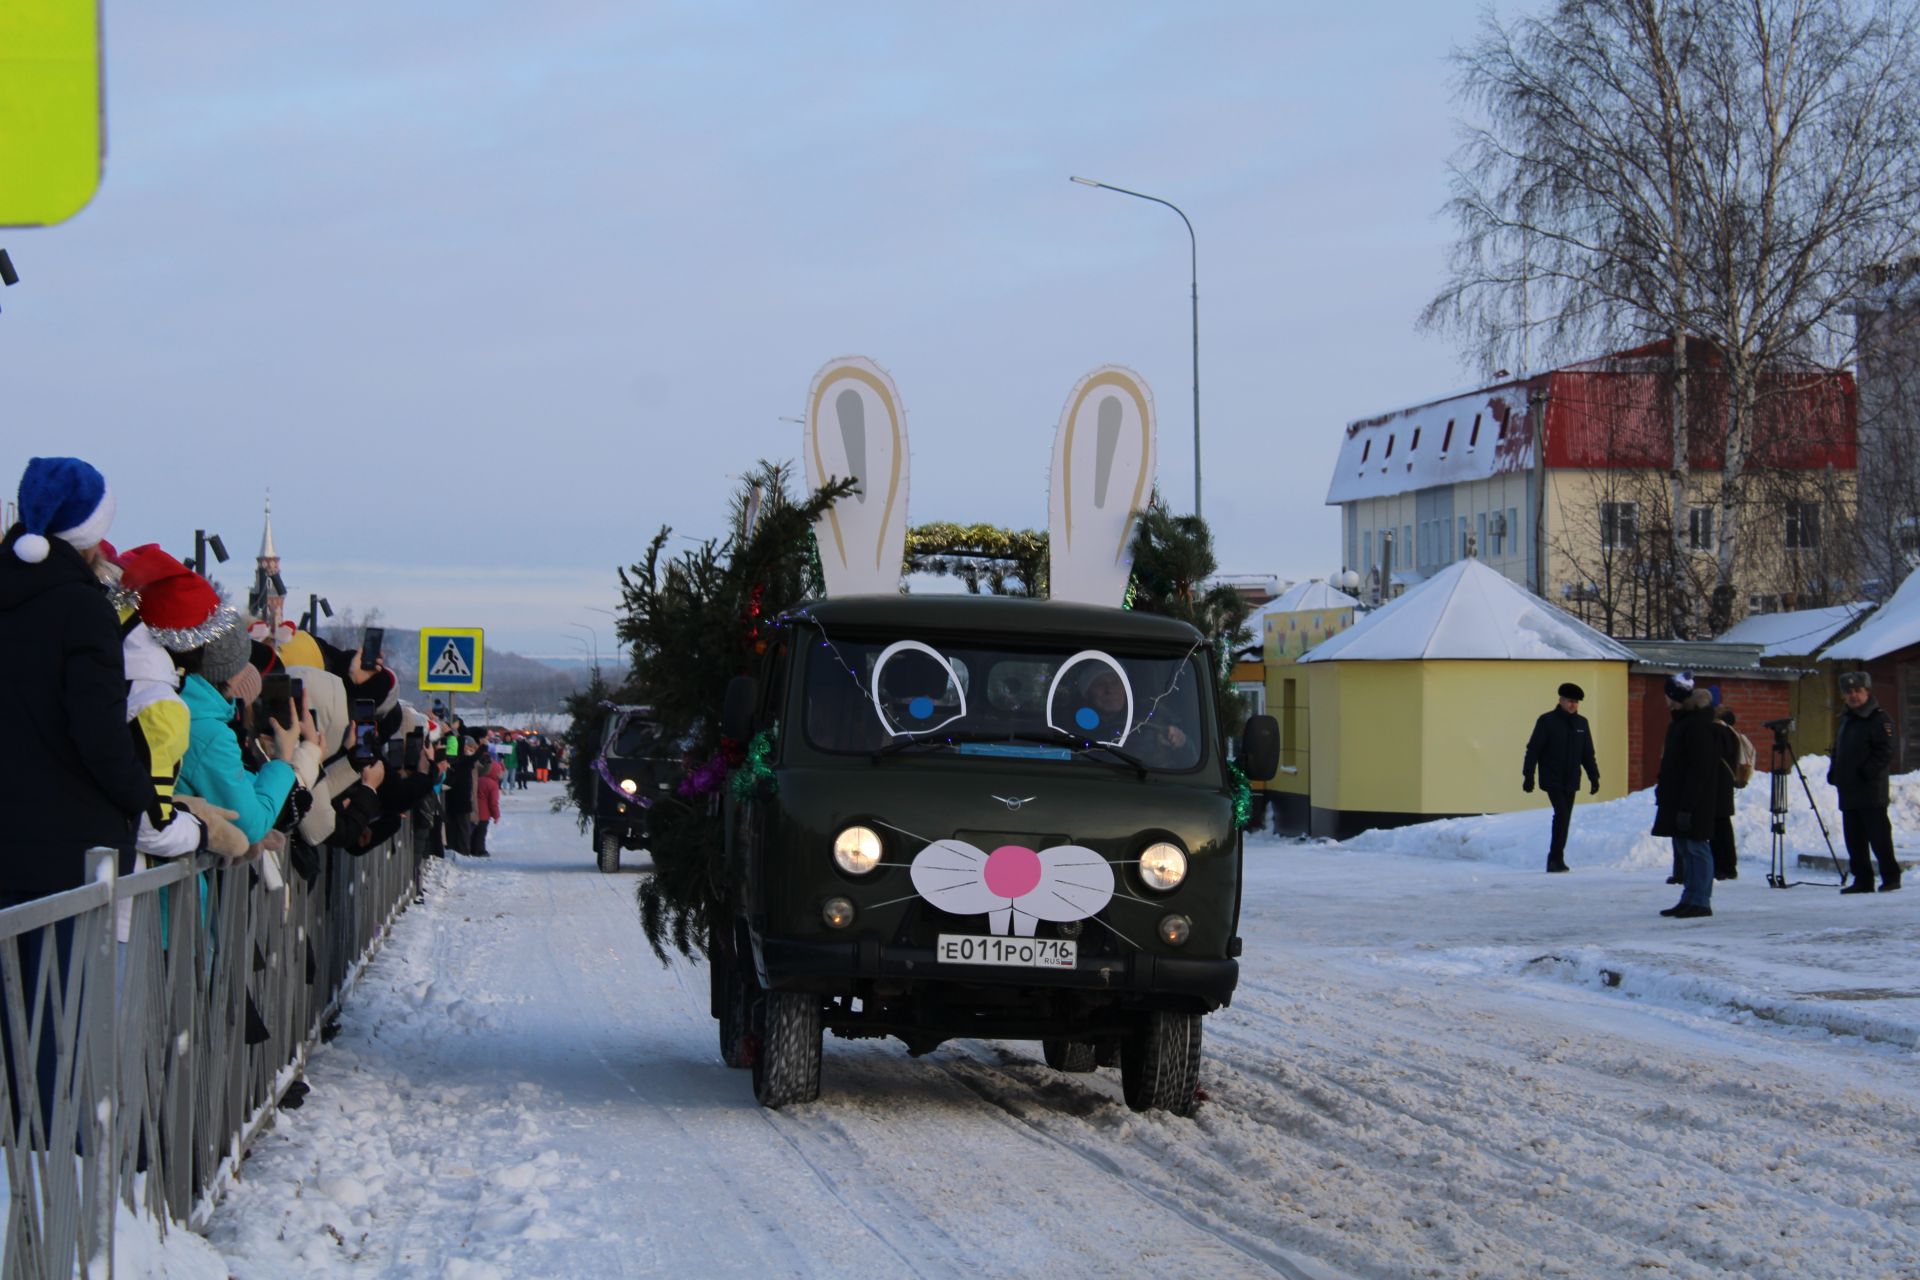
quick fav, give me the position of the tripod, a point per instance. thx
(1782, 765)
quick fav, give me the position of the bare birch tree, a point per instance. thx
(1663, 168)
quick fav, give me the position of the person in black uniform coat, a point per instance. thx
(1560, 748)
(1862, 758)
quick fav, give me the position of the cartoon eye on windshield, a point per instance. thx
(915, 690)
(1091, 698)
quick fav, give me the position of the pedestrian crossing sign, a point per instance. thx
(450, 659)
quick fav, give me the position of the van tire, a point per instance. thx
(1075, 1056)
(607, 847)
(1160, 1064)
(786, 1064)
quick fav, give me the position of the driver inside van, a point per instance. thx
(1154, 741)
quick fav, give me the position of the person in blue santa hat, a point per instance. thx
(70, 779)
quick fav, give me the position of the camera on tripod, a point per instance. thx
(1781, 727)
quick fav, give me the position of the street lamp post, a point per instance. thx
(1193, 247)
(596, 643)
(617, 641)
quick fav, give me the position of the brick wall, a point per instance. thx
(1753, 701)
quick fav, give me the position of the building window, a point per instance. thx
(1416, 440)
(1474, 438)
(1619, 525)
(1763, 604)
(1446, 441)
(1803, 526)
(1365, 449)
(1389, 452)
(1700, 529)
(1502, 433)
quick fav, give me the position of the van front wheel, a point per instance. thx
(1074, 1056)
(786, 1067)
(1160, 1064)
(608, 849)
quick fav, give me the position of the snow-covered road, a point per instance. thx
(1432, 1068)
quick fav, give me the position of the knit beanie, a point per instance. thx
(224, 656)
(1680, 686)
(63, 498)
(243, 684)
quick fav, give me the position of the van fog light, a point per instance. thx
(1174, 930)
(857, 850)
(1071, 929)
(1163, 866)
(837, 912)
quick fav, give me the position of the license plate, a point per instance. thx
(1023, 953)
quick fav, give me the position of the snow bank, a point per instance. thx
(1614, 833)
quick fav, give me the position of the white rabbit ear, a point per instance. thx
(1103, 460)
(856, 428)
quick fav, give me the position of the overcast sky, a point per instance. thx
(487, 293)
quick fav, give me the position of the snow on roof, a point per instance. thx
(1435, 444)
(1469, 611)
(1304, 596)
(1796, 634)
(1895, 625)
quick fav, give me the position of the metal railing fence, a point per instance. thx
(149, 1024)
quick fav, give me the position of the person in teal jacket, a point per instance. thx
(212, 767)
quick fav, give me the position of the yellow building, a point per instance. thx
(1423, 708)
(1292, 623)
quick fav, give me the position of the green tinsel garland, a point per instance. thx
(1242, 796)
(755, 777)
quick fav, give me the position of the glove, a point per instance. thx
(223, 837)
(1526, 785)
(1594, 790)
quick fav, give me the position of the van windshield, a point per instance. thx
(865, 696)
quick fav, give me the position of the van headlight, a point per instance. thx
(629, 786)
(856, 850)
(1163, 866)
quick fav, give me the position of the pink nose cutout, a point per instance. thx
(1012, 871)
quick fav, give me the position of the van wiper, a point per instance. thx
(1125, 758)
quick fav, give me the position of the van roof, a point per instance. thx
(997, 616)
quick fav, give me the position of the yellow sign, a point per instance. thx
(51, 138)
(450, 659)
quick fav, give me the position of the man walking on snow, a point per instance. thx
(1561, 746)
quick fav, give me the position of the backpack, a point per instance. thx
(1743, 772)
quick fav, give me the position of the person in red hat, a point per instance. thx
(147, 582)
(209, 641)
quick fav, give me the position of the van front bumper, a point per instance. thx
(792, 964)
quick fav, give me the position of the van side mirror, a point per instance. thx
(1260, 748)
(736, 713)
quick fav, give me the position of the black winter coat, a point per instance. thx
(1561, 746)
(69, 777)
(1862, 757)
(1687, 796)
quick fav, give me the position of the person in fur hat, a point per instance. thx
(1687, 795)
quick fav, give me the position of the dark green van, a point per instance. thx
(979, 816)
